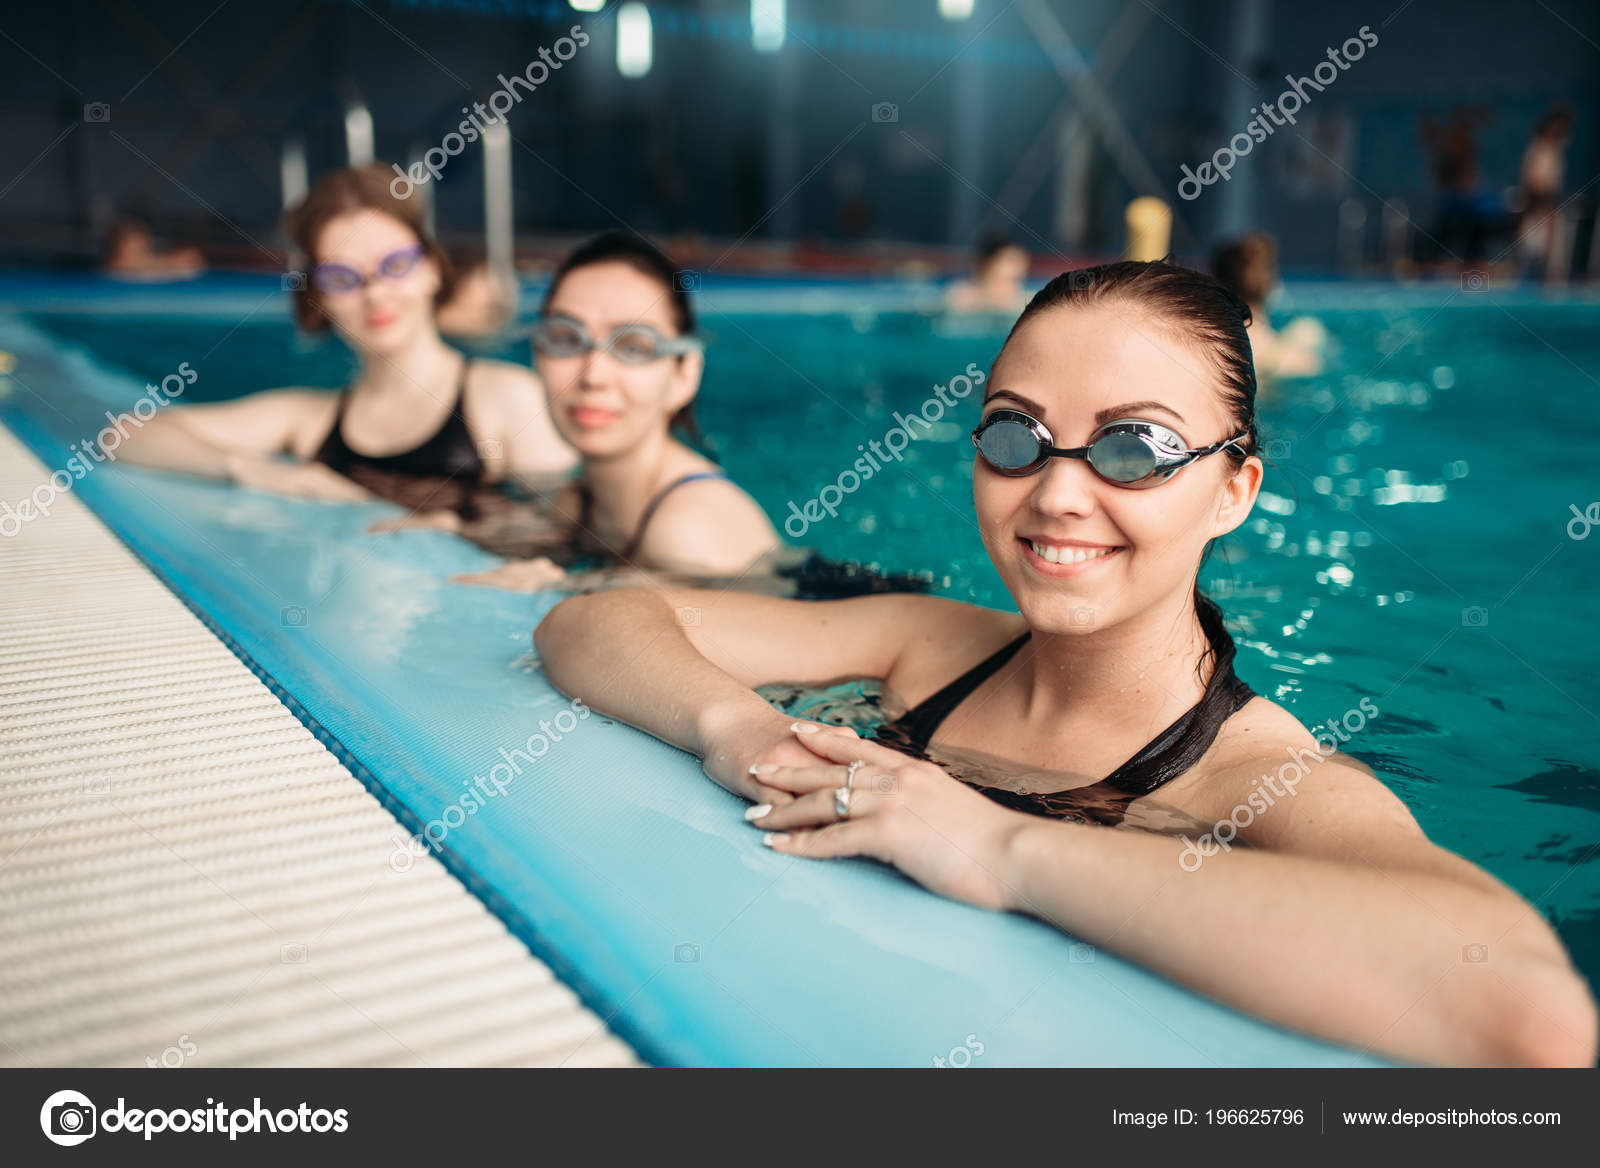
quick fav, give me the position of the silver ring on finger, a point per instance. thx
(850, 773)
(841, 802)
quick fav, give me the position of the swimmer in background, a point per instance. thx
(1543, 176)
(998, 271)
(421, 424)
(131, 255)
(1248, 267)
(1468, 217)
(483, 302)
(616, 348)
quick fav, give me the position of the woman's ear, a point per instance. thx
(433, 276)
(686, 379)
(1238, 496)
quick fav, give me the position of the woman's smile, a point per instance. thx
(1066, 557)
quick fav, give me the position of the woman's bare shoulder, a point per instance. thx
(1264, 755)
(497, 390)
(946, 638)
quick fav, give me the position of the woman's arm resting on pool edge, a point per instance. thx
(1341, 919)
(240, 441)
(210, 439)
(682, 664)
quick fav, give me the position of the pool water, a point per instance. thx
(1421, 540)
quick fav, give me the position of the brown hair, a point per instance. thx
(357, 188)
(1248, 266)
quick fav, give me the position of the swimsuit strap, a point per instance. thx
(632, 547)
(1162, 759)
(915, 728)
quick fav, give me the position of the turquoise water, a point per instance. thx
(1411, 547)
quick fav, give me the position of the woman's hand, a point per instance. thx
(535, 575)
(298, 480)
(934, 828)
(440, 520)
(761, 742)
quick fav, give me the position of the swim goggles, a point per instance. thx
(1129, 452)
(632, 344)
(336, 279)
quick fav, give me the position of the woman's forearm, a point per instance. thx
(164, 444)
(625, 654)
(1413, 964)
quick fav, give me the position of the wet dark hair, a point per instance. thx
(357, 188)
(638, 253)
(1214, 320)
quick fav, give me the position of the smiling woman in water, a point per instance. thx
(1118, 440)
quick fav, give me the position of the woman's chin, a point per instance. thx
(383, 338)
(1065, 616)
(594, 443)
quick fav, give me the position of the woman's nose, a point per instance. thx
(1066, 486)
(595, 368)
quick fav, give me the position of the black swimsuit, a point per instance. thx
(1163, 759)
(440, 472)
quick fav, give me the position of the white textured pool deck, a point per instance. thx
(187, 876)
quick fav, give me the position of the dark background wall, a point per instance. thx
(722, 141)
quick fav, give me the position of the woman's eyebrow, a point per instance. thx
(1126, 409)
(1032, 406)
(1111, 413)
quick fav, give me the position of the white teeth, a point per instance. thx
(1067, 555)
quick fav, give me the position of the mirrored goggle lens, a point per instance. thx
(1009, 445)
(1123, 458)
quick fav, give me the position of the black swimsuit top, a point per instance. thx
(448, 462)
(1163, 759)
